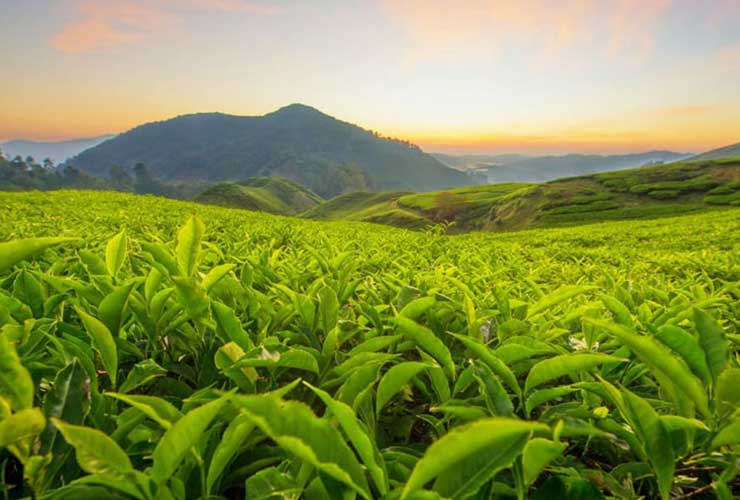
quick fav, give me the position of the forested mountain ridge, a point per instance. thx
(296, 142)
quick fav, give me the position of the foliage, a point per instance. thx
(21, 174)
(154, 349)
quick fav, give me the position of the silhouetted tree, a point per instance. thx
(145, 182)
(121, 179)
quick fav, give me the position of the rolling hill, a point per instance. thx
(521, 168)
(725, 152)
(296, 142)
(641, 193)
(366, 206)
(467, 207)
(57, 152)
(265, 194)
(547, 168)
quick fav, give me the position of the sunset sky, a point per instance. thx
(479, 76)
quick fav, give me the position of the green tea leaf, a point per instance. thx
(395, 379)
(494, 363)
(353, 428)
(115, 253)
(232, 440)
(655, 437)
(153, 407)
(271, 484)
(728, 435)
(297, 430)
(188, 246)
(465, 458)
(712, 340)
(538, 453)
(110, 310)
(16, 385)
(559, 296)
(183, 435)
(683, 343)
(20, 426)
(231, 326)
(15, 251)
(103, 341)
(426, 340)
(68, 401)
(659, 359)
(417, 307)
(565, 364)
(96, 452)
(142, 373)
(328, 309)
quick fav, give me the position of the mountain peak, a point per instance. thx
(297, 109)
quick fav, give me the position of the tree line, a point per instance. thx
(25, 174)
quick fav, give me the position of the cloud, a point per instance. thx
(539, 28)
(103, 25)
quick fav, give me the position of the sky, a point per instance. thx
(474, 76)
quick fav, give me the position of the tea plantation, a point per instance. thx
(155, 349)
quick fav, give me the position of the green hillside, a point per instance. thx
(468, 207)
(366, 206)
(265, 194)
(641, 193)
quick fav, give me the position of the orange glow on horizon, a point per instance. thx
(489, 76)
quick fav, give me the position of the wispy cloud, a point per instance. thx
(102, 25)
(543, 27)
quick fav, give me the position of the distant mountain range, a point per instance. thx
(732, 151)
(57, 152)
(296, 142)
(518, 168)
(475, 162)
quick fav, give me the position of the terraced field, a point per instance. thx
(641, 193)
(156, 349)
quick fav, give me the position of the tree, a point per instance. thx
(71, 175)
(120, 179)
(145, 182)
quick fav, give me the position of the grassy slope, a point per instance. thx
(266, 194)
(365, 206)
(641, 193)
(414, 210)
